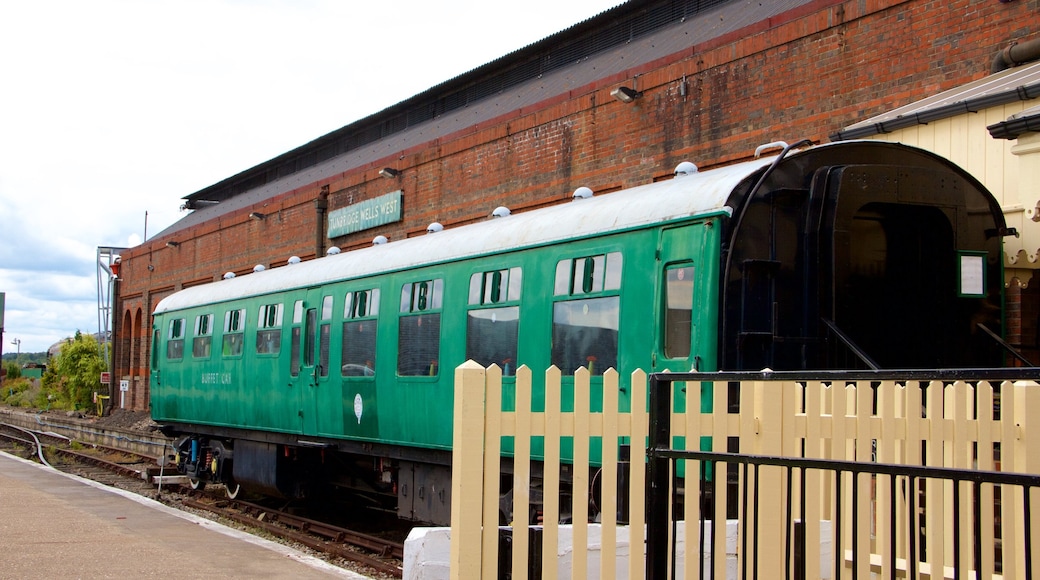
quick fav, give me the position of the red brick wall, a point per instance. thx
(804, 74)
(1029, 319)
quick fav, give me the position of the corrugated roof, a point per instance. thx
(1016, 84)
(617, 40)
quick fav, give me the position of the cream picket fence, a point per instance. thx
(905, 422)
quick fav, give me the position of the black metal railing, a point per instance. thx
(904, 481)
(1005, 346)
(905, 485)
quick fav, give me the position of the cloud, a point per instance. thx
(114, 110)
(44, 308)
(28, 244)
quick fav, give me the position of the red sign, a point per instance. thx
(106, 378)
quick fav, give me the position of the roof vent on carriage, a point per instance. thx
(434, 228)
(229, 275)
(500, 211)
(259, 268)
(293, 260)
(769, 147)
(685, 168)
(582, 193)
(332, 251)
(379, 240)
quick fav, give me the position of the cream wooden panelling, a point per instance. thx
(913, 422)
(1010, 169)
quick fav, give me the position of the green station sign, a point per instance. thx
(366, 214)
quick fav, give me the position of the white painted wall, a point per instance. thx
(427, 552)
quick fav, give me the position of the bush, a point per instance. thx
(13, 370)
(20, 393)
(70, 381)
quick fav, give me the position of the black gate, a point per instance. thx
(664, 497)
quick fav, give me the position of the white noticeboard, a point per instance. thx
(972, 274)
(124, 386)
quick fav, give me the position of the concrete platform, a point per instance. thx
(55, 525)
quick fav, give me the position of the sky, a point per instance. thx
(111, 111)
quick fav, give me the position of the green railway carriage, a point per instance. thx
(339, 370)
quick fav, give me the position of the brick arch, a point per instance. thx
(125, 362)
(139, 393)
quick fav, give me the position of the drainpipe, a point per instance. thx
(1016, 54)
(321, 205)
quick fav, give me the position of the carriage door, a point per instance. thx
(309, 369)
(676, 272)
(894, 282)
(683, 297)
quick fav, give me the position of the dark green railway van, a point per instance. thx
(337, 372)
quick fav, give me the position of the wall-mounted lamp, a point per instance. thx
(626, 94)
(257, 215)
(172, 244)
(197, 203)
(389, 172)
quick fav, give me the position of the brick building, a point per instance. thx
(708, 81)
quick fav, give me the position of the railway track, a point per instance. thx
(368, 551)
(365, 553)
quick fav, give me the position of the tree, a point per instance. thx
(74, 375)
(26, 357)
(14, 371)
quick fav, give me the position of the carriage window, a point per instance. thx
(361, 304)
(175, 340)
(678, 315)
(269, 329)
(492, 333)
(585, 331)
(588, 274)
(308, 339)
(234, 327)
(495, 287)
(585, 334)
(296, 333)
(422, 296)
(202, 343)
(325, 335)
(419, 328)
(359, 333)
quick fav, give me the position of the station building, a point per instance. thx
(615, 101)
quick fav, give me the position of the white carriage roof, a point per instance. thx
(703, 193)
